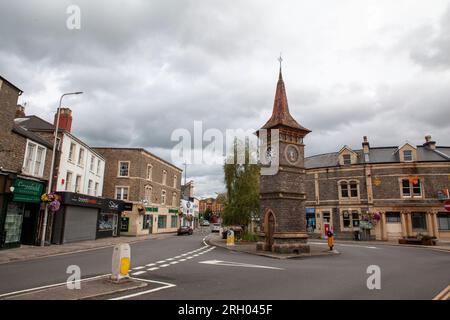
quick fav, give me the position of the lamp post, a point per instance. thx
(50, 177)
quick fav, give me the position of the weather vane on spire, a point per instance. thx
(280, 59)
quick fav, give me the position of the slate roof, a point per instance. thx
(35, 123)
(378, 155)
(30, 135)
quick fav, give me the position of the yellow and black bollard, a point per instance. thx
(330, 240)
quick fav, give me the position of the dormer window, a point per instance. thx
(347, 159)
(407, 155)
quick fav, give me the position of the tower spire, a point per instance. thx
(280, 113)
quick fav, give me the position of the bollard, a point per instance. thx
(121, 262)
(230, 237)
(330, 240)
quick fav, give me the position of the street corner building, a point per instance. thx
(151, 185)
(383, 193)
(26, 146)
(24, 163)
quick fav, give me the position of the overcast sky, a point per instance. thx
(351, 68)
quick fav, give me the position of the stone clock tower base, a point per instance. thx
(293, 243)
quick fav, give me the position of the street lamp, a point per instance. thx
(50, 178)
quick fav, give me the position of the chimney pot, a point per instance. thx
(20, 111)
(429, 142)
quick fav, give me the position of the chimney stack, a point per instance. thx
(20, 111)
(65, 119)
(366, 147)
(429, 142)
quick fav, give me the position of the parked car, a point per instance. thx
(205, 223)
(215, 227)
(184, 230)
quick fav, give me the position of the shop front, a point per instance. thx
(83, 217)
(19, 211)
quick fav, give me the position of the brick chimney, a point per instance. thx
(65, 119)
(366, 147)
(20, 111)
(429, 142)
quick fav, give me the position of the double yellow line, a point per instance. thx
(443, 295)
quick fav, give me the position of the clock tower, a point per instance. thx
(282, 193)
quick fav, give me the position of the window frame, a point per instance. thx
(31, 152)
(78, 190)
(81, 155)
(149, 173)
(119, 169)
(344, 157)
(163, 197)
(411, 187)
(122, 193)
(443, 216)
(423, 217)
(410, 152)
(72, 152)
(68, 184)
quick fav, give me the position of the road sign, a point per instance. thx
(447, 205)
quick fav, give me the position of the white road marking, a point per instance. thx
(138, 268)
(50, 286)
(189, 257)
(162, 261)
(237, 264)
(138, 273)
(195, 255)
(182, 260)
(164, 265)
(153, 269)
(174, 262)
(165, 286)
(150, 265)
(170, 259)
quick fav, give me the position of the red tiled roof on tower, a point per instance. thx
(280, 114)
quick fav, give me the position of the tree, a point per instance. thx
(207, 214)
(242, 184)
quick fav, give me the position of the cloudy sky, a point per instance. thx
(351, 68)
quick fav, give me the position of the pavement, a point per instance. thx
(189, 268)
(25, 252)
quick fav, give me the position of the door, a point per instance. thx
(270, 230)
(29, 222)
(115, 224)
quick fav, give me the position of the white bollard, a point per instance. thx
(121, 261)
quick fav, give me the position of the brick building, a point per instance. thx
(24, 167)
(404, 186)
(152, 184)
(216, 205)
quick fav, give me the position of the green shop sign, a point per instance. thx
(173, 210)
(27, 191)
(151, 209)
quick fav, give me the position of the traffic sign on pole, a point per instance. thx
(447, 205)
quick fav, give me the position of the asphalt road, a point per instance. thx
(200, 272)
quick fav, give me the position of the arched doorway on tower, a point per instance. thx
(269, 229)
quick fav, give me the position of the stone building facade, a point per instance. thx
(150, 183)
(404, 186)
(24, 169)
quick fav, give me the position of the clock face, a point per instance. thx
(292, 154)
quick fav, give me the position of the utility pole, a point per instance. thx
(52, 166)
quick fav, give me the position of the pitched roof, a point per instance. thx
(280, 113)
(30, 135)
(35, 123)
(11, 84)
(378, 155)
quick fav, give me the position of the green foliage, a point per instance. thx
(251, 237)
(207, 214)
(242, 184)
